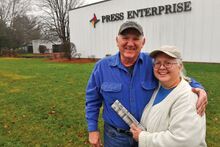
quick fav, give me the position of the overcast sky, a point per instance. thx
(36, 10)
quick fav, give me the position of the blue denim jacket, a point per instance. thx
(111, 81)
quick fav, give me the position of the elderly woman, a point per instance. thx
(170, 118)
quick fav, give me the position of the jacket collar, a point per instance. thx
(117, 62)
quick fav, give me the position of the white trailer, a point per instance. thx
(191, 25)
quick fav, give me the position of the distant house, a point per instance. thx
(28, 48)
(51, 46)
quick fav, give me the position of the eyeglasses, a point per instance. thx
(167, 65)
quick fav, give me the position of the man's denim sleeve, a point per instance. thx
(195, 84)
(93, 102)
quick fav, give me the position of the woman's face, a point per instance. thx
(167, 70)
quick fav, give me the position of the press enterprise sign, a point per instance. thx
(146, 12)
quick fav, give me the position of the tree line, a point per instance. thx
(18, 28)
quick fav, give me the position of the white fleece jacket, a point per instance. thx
(174, 121)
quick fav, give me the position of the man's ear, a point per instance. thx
(143, 41)
(116, 40)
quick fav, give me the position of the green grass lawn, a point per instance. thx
(42, 103)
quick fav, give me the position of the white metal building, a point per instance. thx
(191, 25)
(47, 43)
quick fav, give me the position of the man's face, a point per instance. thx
(130, 43)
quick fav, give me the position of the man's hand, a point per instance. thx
(94, 139)
(202, 100)
(135, 131)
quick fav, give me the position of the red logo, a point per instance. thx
(94, 20)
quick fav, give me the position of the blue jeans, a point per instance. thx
(114, 138)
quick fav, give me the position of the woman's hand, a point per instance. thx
(135, 131)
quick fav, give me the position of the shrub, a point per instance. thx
(20, 51)
(42, 49)
(6, 52)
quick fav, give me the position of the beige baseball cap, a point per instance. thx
(131, 25)
(171, 51)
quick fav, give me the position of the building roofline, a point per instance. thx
(90, 4)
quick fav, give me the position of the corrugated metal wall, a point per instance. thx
(196, 33)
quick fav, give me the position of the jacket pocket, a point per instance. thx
(111, 91)
(111, 87)
(148, 85)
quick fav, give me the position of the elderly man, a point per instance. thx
(127, 77)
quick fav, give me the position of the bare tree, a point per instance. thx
(56, 21)
(9, 9)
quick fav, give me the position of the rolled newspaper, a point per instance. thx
(125, 114)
